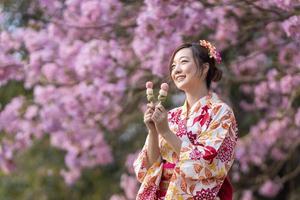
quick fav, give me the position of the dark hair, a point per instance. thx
(200, 55)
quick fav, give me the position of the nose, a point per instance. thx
(177, 69)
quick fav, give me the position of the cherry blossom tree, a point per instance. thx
(84, 65)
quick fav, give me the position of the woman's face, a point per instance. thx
(184, 70)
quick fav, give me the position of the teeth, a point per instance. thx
(180, 78)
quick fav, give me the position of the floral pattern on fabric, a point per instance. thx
(209, 135)
(181, 128)
(149, 192)
(226, 150)
(207, 194)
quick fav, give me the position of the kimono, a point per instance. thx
(209, 135)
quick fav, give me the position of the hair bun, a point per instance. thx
(217, 75)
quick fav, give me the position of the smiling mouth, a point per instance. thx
(180, 78)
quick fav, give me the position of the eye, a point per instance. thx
(184, 61)
(172, 67)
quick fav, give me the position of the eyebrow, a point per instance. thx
(181, 57)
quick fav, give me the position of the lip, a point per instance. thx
(179, 76)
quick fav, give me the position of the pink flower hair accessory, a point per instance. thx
(212, 52)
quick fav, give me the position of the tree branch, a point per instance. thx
(290, 175)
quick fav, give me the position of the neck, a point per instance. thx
(193, 95)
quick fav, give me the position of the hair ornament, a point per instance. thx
(212, 52)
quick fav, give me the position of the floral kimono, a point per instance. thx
(209, 135)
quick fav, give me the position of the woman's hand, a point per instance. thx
(148, 118)
(160, 119)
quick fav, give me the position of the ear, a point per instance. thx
(205, 68)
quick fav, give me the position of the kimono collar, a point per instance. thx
(208, 100)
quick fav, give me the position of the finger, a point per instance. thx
(158, 109)
(150, 106)
(154, 118)
(160, 106)
(149, 111)
(148, 119)
(156, 112)
(148, 116)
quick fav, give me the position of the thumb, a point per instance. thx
(158, 104)
(152, 104)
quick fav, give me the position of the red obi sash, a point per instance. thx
(226, 190)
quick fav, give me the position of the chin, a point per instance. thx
(181, 87)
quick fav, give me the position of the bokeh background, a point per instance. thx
(72, 91)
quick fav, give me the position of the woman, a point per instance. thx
(190, 149)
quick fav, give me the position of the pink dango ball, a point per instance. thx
(164, 87)
(149, 84)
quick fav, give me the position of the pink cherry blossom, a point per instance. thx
(86, 62)
(291, 27)
(270, 189)
(247, 195)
